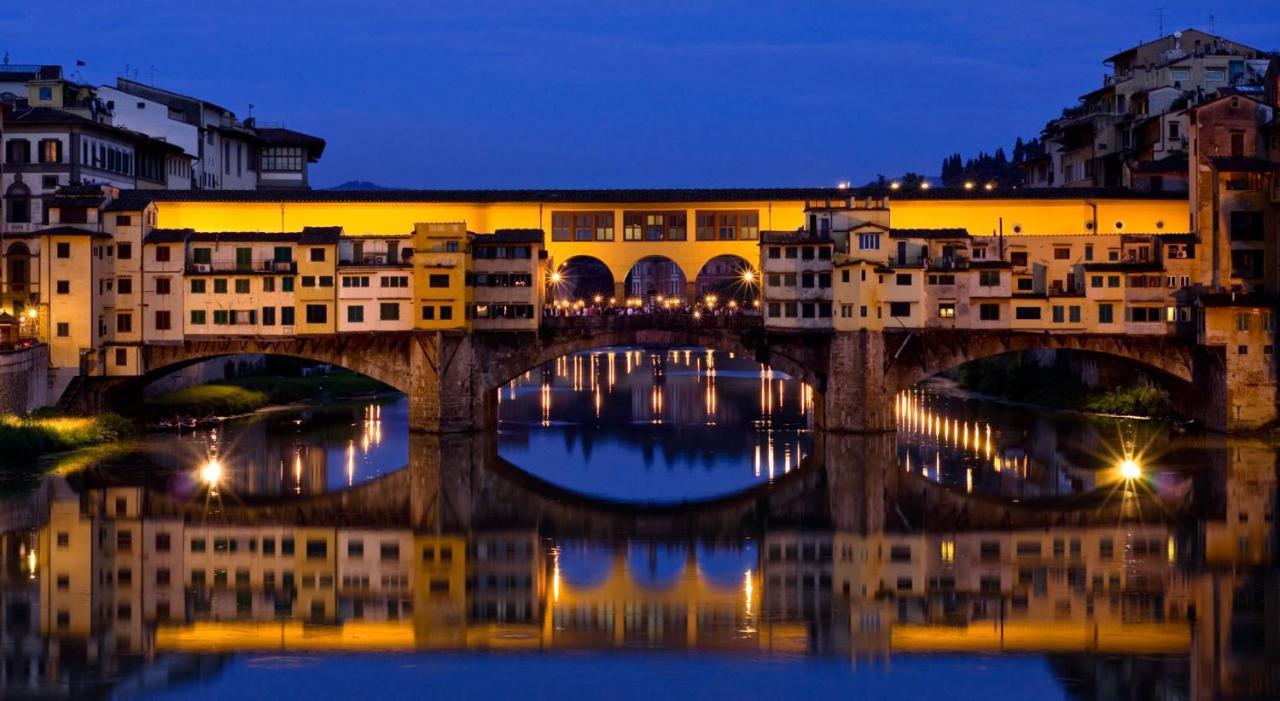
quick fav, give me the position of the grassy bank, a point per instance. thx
(25, 439)
(246, 394)
(1056, 386)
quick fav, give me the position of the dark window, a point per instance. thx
(438, 281)
(1026, 313)
(989, 312)
(899, 309)
(63, 249)
(317, 314)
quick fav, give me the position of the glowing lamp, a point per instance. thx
(211, 472)
(1130, 469)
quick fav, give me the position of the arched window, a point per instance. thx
(17, 204)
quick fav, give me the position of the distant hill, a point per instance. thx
(358, 185)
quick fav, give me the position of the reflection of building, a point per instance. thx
(114, 581)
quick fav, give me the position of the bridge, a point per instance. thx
(452, 377)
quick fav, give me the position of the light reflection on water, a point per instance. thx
(655, 425)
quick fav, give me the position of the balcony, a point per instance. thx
(239, 268)
(375, 261)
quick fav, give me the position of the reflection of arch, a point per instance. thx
(17, 204)
(17, 267)
(728, 277)
(655, 275)
(581, 278)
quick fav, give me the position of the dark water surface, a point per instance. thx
(651, 522)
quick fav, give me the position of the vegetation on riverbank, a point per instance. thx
(25, 439)
(1021, 379)
(248, 394)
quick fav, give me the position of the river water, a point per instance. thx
(651, 516)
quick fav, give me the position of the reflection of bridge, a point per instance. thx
(458, 482)
(851, 555)
(452, 377)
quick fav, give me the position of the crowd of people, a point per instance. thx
(651, 304)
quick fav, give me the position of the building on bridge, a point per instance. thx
(120, 274)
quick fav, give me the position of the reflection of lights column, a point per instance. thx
(757, 460)
(748, 608)
(555, 574)
(769, 453)
(351, 462)
(612, 371)
(546, 403)
(968, 479)
(297, 472)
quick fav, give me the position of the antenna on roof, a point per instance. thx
(1213, 28)
(1160, 14)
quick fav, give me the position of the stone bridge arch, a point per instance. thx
(917, 356)
(381, 356)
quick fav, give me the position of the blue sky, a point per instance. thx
(552, 93)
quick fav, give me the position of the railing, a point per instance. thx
(375, 262)
(222, 267)
(666, 321)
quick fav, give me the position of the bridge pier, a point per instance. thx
(447, 391)
(858, 396)
(1232, 392)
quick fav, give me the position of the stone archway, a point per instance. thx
(652, 277)
(581, 278)
(728, 278)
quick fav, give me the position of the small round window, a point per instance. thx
(1119, 225)
(1088, 226)
(1017, 228)
(1159, 223)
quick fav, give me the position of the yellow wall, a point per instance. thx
(1042, 217)
(392, 218)
(440, 249)
(326, 295)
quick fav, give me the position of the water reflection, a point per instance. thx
(984, 447)
(109, 580)
(645, 424)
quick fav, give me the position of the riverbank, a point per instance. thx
(24, 440)
(949, 387)
(249, 394)
(1058, 387)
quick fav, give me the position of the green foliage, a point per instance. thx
(25, 439)
(1018, 378)
(205, 400)
(247, 394)
(1135, 400)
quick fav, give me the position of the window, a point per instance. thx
(582, 226)
(438, 281)
(868, 242)
(1062, 254)
(163, 285)
(198, 317)
(1026, 313)
(63, 249)
(220, 286)
(1018, 259)
(17, 151)
(1059, 313)
(279, 158)
(902, 279)
(355, 314)
(317, 314)
(286, 284)
(989, 278)
(428, 312)
(389, 311)
(124, 251)
(268, 316)
(1145, 314)
(946, 310)
(316, 255)
(197, 287)
(1106, 314)
(1247, 226)
(899, 309)
(989, 312)
(1113, 281)
(163, 321)
(242, 286)
(1242, 322)
(64, 329)
(50, 150)
(64, 287)
(286, 316)
(728, 226)
(653, 226)
(446, 312)
(307, 281)
(221, 317)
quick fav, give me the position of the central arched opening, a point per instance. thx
(728, 279)
(655, 279)
(1045, 424)
(655, 424)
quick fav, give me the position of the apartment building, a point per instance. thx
(1136, 117)
(507, 280)
(227, 153)
(375, 275)
(797, 270)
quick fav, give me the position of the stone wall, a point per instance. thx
(24, 379)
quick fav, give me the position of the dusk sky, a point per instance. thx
(674, 93)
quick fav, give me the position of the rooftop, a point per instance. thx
(929, 233)
(138, 199)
